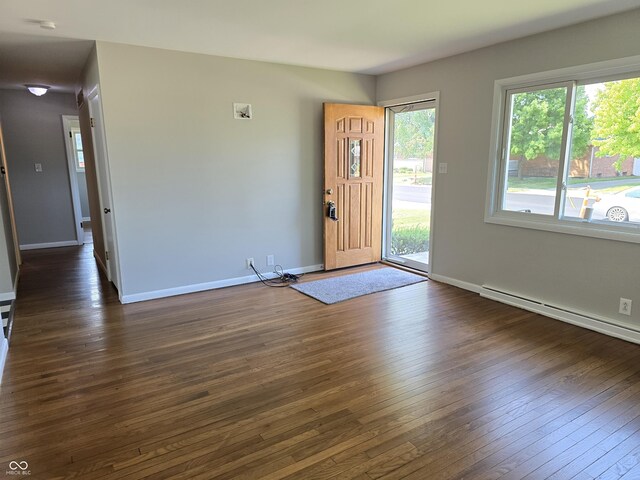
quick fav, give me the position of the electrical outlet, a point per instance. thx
(625, 306)
(270, 260)
(442, 167)
(37, 167)
(250, 263)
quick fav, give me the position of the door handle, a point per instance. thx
(332, 212)
(107, 210)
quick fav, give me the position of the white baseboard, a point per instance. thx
(472, 287)
(4, 350)
(5, 309)
(570, 315)
(566, 314)
(199, 287)
(7, 296)
(37, 246)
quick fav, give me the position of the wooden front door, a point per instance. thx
(353, 176)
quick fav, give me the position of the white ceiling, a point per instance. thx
(366, 36)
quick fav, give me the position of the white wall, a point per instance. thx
(195, 191)
(581, 273)
(33, 133)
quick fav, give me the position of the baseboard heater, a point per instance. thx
(581, 319)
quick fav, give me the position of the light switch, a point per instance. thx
(442, 168)
(38, 167)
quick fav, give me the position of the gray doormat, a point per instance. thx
(344, 287)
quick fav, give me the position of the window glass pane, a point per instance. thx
(413, 145)
(580, 194)
(354, 157)
(604, 181)
(80, 159)
(535, 138)
(78, 139)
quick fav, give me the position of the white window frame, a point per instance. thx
(592, 73)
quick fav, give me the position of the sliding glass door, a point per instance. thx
(411, 142)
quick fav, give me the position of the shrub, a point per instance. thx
(410, 240)
(422, 181)
(403, 170)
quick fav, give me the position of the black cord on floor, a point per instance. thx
(283, 279)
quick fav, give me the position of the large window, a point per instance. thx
(567, 156)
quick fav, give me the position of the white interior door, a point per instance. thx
(70, 125)
(104, 186)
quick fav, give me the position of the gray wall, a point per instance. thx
(195, 191)
(33, 134)
(581, 273)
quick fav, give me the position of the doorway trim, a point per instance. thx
(431, 97)
(67, 125)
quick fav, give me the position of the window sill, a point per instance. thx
(594, 229)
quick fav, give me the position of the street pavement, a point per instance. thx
(537, 201)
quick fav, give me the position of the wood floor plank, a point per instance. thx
(591, 448)
(488, 442)
(425, 382)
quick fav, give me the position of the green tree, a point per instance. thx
(617, 120)
(537, 122)
(413, 133)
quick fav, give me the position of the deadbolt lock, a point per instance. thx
(329, 191)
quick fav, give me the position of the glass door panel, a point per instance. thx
(410, 170)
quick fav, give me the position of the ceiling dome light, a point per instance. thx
(47, 25)
(38, 90)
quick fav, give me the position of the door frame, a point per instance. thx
(67, 121)
(104, 190)
(431, 97)
(12, 214)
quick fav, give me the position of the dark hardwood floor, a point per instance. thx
(423, 382)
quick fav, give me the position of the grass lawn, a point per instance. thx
(408, 218)
(420, 178)
(617, 188)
